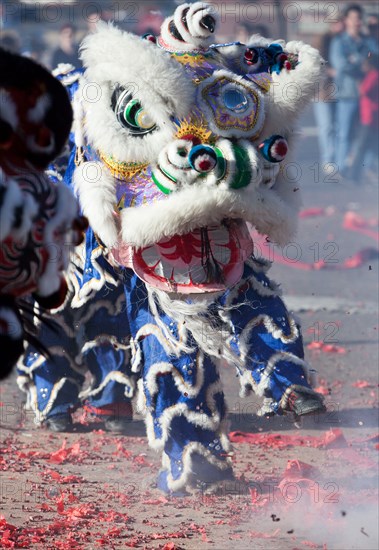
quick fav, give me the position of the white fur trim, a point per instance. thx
(187, 473)
(199, 419)
(173, 156)
(103, 339)
(269, 289)
(264, 382)
(183, 387)
(270, 173)
(192, 318)
(196, 13)
(292, 90)
(259, 41)
(137, 358)
(57, 351)
(200, 206)
(78, 124)
(195, 37)
(31, 389)
(22, 380)
(114, 376)
(140, 399)
(62, 69)
(260, 265)
(271, 327)
(95, 187)
(54, 175)
(82, 294)
(112, 307)
(175, 165)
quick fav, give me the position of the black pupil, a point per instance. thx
(133, 110)
(120, 100)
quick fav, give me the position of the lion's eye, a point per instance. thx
(130, 113)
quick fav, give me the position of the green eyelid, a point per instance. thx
(129, 115)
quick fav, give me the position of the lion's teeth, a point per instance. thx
(159, 270)
(150, 256)
(222, 254)
(166, 270)
(181, 275)
(198, 275)
(220, 235)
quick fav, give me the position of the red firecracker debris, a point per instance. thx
(67, 454)
(354, 222)
(310, 544)
(362, 384)
(296, 469)
(326, 348)
(260, 535)
(311, 212)
(332, 437)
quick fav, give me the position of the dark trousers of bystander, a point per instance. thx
(366, 145)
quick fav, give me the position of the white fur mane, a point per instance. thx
(112, 57)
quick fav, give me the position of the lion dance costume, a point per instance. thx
(39, 220)
(181, 145)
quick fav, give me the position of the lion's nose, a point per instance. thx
(202, 158)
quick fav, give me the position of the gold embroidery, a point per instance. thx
(123, 170)
(196, 127)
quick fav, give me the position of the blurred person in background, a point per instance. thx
(324, 104)
(92, 18)
(261, 29)
(34, 49)
(348, 51)
(67, 52)
(149, 22)
(373, 26)
(243, 31)
(367, 143)
(10, 40)
(6, 19)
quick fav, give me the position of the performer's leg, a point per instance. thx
(324, 118)
(269, 344)
(106, 354)
(185, 417)
(183, 401)
(52, 384)
(361, 146)
(345, 113)
(112, 383)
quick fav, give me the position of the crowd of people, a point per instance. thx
(346, 108)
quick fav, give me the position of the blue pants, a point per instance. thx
(176, 352)
(346, 112)
(94, 338)
(324, 113)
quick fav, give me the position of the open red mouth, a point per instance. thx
(205, 260)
